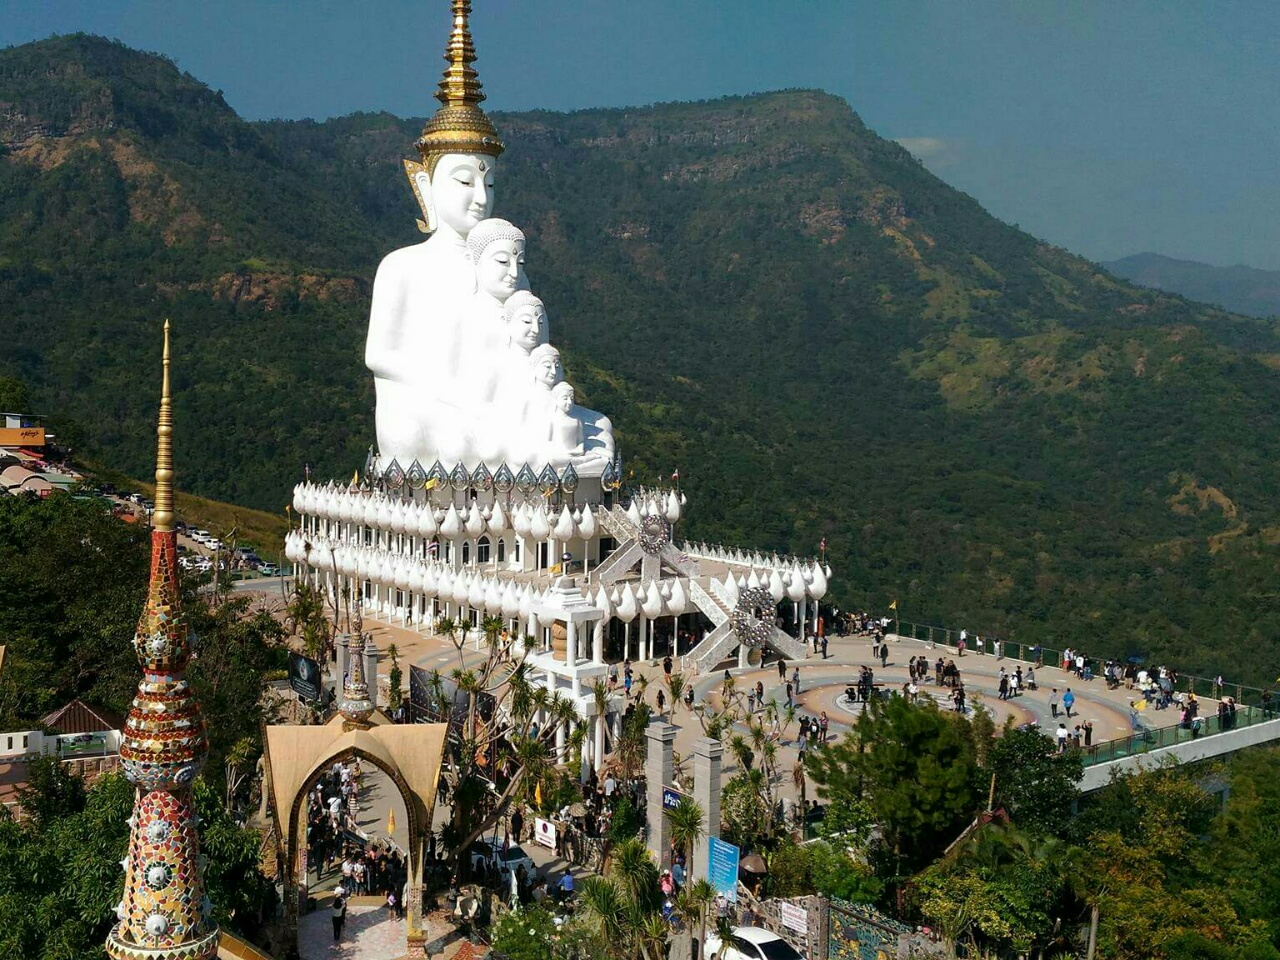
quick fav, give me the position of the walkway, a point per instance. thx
(370, 933)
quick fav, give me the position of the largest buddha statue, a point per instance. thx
(438, 344)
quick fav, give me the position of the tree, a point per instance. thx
(51, 791)
(685, 821)
(914, 766)
(396, 696)
(623, 907)
(692, 903)
(1036, 785)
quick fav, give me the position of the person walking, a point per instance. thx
(1068, 701)
(782, 669)
(795, 679)
(790, 699)
(338, 914)
(824, 646)
(1053, 702)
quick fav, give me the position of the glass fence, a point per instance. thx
(1253, 704)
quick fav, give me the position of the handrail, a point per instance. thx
(1039, 655)
(1156, 738)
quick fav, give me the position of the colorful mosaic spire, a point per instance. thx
(164, 914)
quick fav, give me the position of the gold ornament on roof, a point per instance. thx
(162, 517)
(459, 126)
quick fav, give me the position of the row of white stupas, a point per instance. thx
(422, 517)
(481, 589)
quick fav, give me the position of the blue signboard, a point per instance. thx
(671, 798)
(722, 868)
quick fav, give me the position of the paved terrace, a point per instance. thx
(823, 683)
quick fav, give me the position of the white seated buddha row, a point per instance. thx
(459, 347)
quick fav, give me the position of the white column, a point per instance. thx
(584, 769)
(597, 642)
(560, 739)
(571, 643)
(599, 741)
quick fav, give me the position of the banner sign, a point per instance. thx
(671, 798)
(544, 832)
(304, 676)
(794, 917)
(22, 436)
(722, 868)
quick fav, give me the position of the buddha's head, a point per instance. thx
(497, 250)
(546, 365)
(457, 194)
(524, 316)
(562, 396)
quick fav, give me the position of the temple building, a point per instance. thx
(492, 493)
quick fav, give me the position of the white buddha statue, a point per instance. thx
(497, 249)
(565, 432)
(423, 295)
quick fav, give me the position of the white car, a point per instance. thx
(490, 851)
(751, 943)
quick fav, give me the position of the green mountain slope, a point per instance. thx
(826, 339)
(1246, 290)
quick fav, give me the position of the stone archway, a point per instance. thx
(365, 914)
(297, 757)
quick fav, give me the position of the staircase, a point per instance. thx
(617, 523)
(788, 646)
(618, 563)
(715, 646)
(716, 610)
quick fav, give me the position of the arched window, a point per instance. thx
(482, 550)
(466, 552)
(502, 550)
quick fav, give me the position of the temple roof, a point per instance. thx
(78, 717)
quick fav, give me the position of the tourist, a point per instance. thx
(760, 694)
(795, 679)
(1053, 702)
(1087, 728)
(824, 647)
(1062, 733)
(790, 700)
(996, 649)
(666, 667)
(751, 701)
(517, 825)
(822, 727)
(338, 914)
(964, 642)
(884, 655)
(688, 697)
(1031, 678)
(662, 701)
(1004, 685)
(1068, 701)
(782, 669)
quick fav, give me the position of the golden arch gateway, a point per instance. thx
(297, 756)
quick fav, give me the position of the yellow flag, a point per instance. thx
(894, 605)
(537, 794)
(355, 478)
(432, 484)
(391, 823)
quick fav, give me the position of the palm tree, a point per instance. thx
(677, 683)
(685, 820)
(692, 904)
(624, 907)
(491, 627)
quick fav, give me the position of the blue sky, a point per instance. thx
(1106, 127)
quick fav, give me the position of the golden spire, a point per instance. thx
(459, 126)
(460, 84)
(162, 519)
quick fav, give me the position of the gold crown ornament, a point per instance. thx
(459, 126)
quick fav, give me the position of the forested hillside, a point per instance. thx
(823, 337)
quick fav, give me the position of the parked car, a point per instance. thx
(213, 543)
(269, 570)
(199, 536)
(489, 851)
(751, 943)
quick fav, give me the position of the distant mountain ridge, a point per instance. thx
(1247, 290)
(823, 337)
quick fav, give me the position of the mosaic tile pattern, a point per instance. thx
(164, 914)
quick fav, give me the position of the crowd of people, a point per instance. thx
(365, 866)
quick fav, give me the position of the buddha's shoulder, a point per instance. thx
(404, 258)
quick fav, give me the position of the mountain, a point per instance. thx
(826, 340)
(1247, 290)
